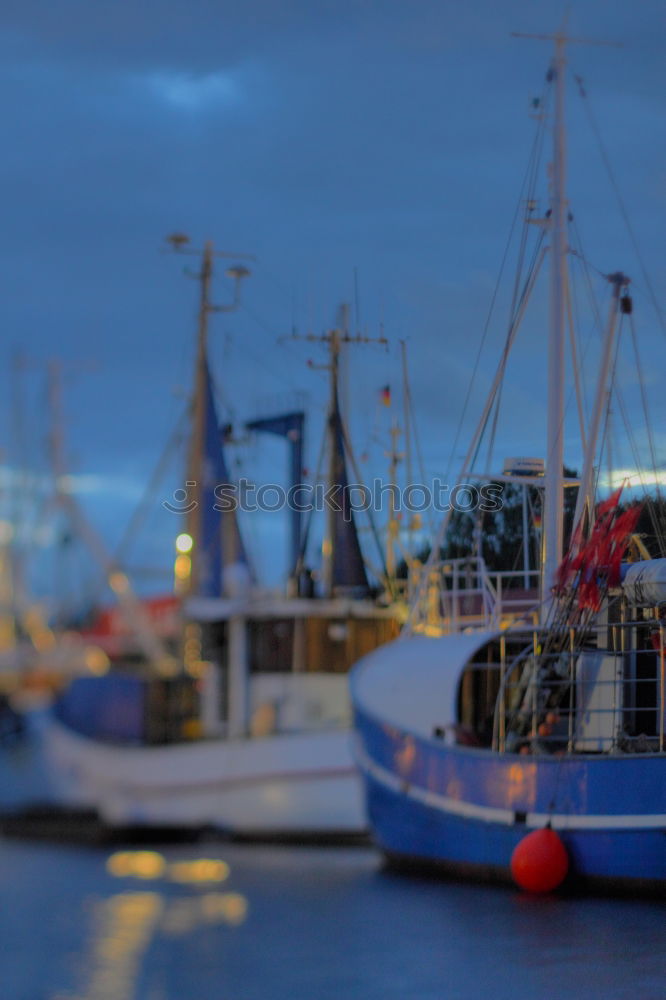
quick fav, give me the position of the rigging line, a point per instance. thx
(583, 348)
(407, 413)
(578, 386)
(533, 270)
(579, 255)
(607, 409)
(658, 534)
(145, 503)
(593, 267)
(430, 519)
(491, 308)
(223, 403)
(371, 521)
(644, 402)
(258, 358)
(623, 211)
(308, 522)
(501, 368)
(533, 165)
(587, 266)
(464, 471)
(514, 321)
(656, 527)
(417, 440)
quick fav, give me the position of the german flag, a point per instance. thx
(385, 395)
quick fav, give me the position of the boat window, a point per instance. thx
(271, 645)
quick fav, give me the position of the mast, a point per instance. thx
(334, 419)
(196, 458)
(553, 526)
(196, 466)
(414, 520)
(619, 282)
(393, 525)
(340, 530)
(554, 478)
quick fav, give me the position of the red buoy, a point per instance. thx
(540, 862)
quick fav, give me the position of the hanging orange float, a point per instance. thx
(540, 862)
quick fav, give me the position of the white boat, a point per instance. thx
(298, 784)
(249, 731)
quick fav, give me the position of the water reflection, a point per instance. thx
(185, 915)
(124, 927)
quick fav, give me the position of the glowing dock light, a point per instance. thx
(184, 543)
(201, 870)
(136, 864)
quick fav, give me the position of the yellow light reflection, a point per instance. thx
(197, 668)
(182, 567)
(119, 583)
(520, 783)
(182, 916)
(202, 870)
(96, 660)
(124, 928)
(40, 634)
(405, 757)
(136, 864)
(230, 907)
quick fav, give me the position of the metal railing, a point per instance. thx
(461, 594)
(599, 691)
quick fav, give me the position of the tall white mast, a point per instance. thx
(554, 485)
(551, 553)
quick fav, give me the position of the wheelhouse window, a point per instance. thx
(271, 645)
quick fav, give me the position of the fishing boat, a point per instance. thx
(535, 748)
(243, 724)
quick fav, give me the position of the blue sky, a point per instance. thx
(385, 137)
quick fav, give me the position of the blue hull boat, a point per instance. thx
(480, 748)
(464, 809)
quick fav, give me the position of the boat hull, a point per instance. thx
(464, 810)
(300, 784)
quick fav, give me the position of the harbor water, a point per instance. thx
(293, 923)
(212, 920)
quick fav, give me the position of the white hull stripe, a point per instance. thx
(492, 814)
(243, 781)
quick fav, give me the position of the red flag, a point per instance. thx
(610, 503)
(622, 530)
(601, 554)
